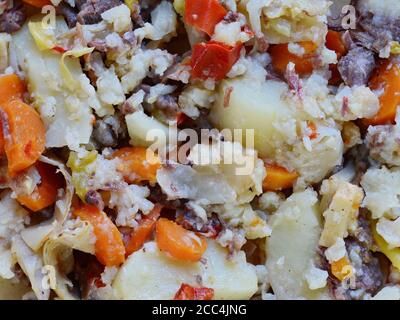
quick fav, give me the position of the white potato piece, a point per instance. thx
(252, 105)
(51, 97)
(145, 130)
(151, 274)
(292, 246)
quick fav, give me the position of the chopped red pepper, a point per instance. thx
(187, 292)
(59, 49)
(204, 14)
(213, 59)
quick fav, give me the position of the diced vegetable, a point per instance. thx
(334, 42)
(11, 87)
(179, 242)
(293, 245)
(137, 164)
(24, 135)
(45, 194)
(38, 3)
(342, 269)
(81, 170)
(252, 105)
(278, 178)
(187, 292)
(314, 130)
(151, 274)
(140, 129)
(393, 254)
(204, 14)
(44, 38)
(143, 231)
(109, 247)
(281, 57)
(213, 59)
(386, 78)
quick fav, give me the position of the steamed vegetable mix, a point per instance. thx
(179, 242)
(110, 250)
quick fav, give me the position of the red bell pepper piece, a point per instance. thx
(213, 59)
(187, 292)
(204, 14)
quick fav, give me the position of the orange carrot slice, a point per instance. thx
(11, 87)
(137, 164)
(179, 242)
(143, 231)
(278, 178)
(386, 79)
(24, 135)
(45, 194)
(281, 57)
(109, 247)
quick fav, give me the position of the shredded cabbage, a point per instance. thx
(70, 82)
(395, 47)
(44, 37)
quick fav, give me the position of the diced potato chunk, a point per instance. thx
(145, 130)
(247, 104)
(151, 274)
(341, 213)
(292, 247)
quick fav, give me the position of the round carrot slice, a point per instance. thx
(179, 242)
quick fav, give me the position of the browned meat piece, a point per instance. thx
(369, 277)
(87, 273)
(356, 67)
(70, 14)
(374, 32)
(90, 10)
(13, 18)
